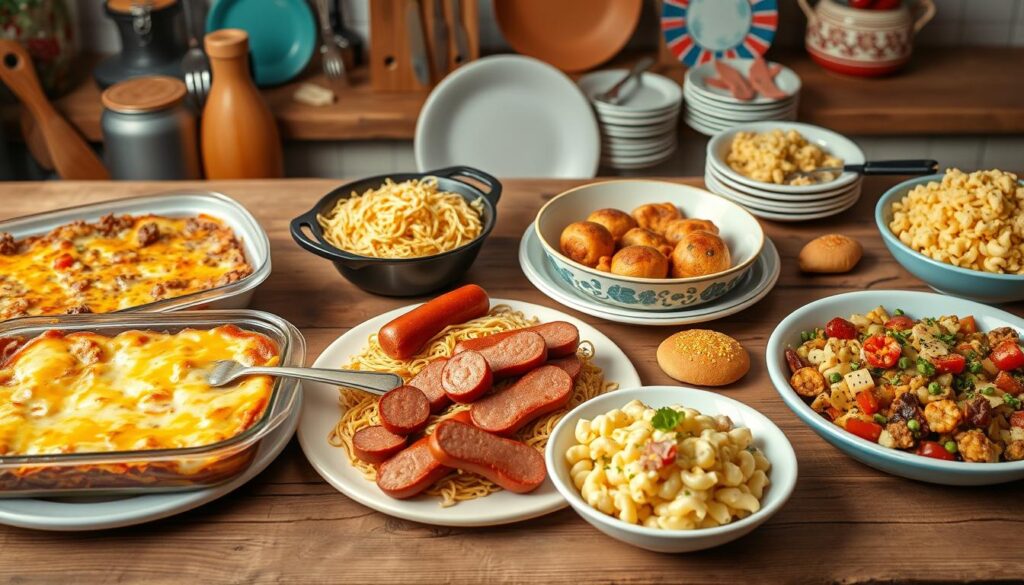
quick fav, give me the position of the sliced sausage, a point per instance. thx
(571, 365)
(376, 444)
(404, 410)
(516, 354)
(411, 471)
(511, 464)
(407, 334)
(466, 377)
(561, 338)
(543, 390)
(428, 380)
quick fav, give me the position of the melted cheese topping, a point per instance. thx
(87, 393)
(116, 263)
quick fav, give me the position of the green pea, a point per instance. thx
(834, 378)
(925, 367)
(806, 336)
(904, 363)
(988, 391)
(898, 312)
(913, 425)
(934, 389)
(950, 446)
(880, 419)
(854, 365)
(974, 367)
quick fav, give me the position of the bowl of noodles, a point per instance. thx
(405, 234)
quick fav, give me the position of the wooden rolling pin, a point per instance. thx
(69, 152)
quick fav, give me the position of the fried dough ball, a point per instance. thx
(700, 254)
(677, 229)
(639, 236)
(640, 262)
(655, 216)
(586, 242)
(616, 221)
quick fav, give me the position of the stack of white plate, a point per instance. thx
(642, 130)
(786, 202)
(712, 109)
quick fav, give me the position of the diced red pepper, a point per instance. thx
(659, 454)
(63, 261)
(900, 323)
(833, 413)
(864, 429)
(1007, 383)
(953, 363)
(968, 325)
(882, 351)
(1007, 355)
(934, 450)
(1017, 419)
(840, 329)
(867, 401)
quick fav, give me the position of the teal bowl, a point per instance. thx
(986, 287)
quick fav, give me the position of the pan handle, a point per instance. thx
(318, 246)
(493, 185)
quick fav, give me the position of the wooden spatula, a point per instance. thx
(70, 153)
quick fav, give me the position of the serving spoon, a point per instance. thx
(225, 371)
(882, 167)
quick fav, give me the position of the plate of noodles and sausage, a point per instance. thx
(513, 369)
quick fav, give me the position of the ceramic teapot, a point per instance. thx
(864, 42)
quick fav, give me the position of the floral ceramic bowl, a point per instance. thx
(741, 232)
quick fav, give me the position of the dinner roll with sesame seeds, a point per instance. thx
(704, 357)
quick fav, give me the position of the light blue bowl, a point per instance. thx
(981, 286)
(917, 305)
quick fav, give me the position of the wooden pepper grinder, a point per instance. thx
(238, 133)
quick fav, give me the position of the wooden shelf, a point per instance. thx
(943, 91)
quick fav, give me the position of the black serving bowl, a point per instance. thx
(403, 277)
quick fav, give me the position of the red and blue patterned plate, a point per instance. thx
(697, 31)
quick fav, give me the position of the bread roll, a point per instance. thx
(831, 253)
(704, 357)
(586, 242)
(700, 254)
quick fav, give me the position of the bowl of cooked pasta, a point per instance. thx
(961, 233)
(669, 468)
(404, 234)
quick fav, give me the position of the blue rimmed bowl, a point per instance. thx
(740, 230)
(893, 461)
(987, 287)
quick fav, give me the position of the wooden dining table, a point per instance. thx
(845, 522)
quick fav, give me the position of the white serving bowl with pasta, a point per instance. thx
(714, 482)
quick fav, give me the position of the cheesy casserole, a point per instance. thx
(116, 263)
(84, 392)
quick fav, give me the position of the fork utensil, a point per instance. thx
(881, 167)
(195, 65)
(330, 54)
(225, 371)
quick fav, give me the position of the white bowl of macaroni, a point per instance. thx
(669, 468)
(763, 156)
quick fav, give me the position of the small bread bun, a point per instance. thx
(640, 262)
(700, 254)
(655, 216)
(704, 357)
(586, 242)
(644, 237)
(677, 229)
(616, 221)
(831, 253)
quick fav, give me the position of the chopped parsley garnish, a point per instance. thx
(666, 419)
(925, 367)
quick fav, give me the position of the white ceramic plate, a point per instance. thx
(692, 97)
(629, 166)
(629, 159)
(511, 116)
(662, 140)
(791, 217)
(696, 105)
(761, 278)
(772, 195)
(701, 127)
(727, 120)
(77, 514)
(787, 80)
(841, 200)
(655, 92)
(637, 147)
(617, 120)
(646, 131)
(320, 412)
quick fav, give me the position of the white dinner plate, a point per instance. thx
(787, 80)
(512, 116)
(714, 120)
(661, 140)
(654, 93)
(787, 216)
(610, 151)
(703, 127)
(605, 118)
(639, 158)
(646, 131)
(695, 104)
(692, 97)
(838, 203)
(320, 413)
(758, 282)
(768, 193)
(77, 514)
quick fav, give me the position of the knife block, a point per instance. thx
(390, 48)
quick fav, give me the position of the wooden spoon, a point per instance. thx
(71, 155)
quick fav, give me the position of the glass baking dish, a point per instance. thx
(157, 470)
(183, 203)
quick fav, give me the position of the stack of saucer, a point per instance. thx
(642, 130)
(786, 202)
(712, 109)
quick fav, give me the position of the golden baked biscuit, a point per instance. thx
(704, 357)
(586, 242)
(616, 221)
(655, 216)
(677, 229)
(640, 262)
(831, 253)
(639, 236)
(700, 254)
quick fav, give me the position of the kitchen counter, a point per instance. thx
(943, 91)
(845, 522)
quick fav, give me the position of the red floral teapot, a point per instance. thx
(865, 42)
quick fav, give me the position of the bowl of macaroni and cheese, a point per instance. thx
(961, 233)
(669, 468)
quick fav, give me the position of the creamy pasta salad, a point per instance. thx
(671, 468)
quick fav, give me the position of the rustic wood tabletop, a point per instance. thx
(845, 522)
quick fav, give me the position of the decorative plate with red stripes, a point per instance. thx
(697, 31)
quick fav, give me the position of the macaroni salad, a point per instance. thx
(771, 157)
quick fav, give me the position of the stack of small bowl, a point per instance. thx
(641, 131)
(711, 109)
(786, 202)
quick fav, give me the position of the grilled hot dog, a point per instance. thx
(513, 465)
(404, 410)
(543, 390)
(406, 335)
(376, 444)
(411, 471)
(571, 365)
(466, 377)
(516, 354)
(561, 338)
(428, 380)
